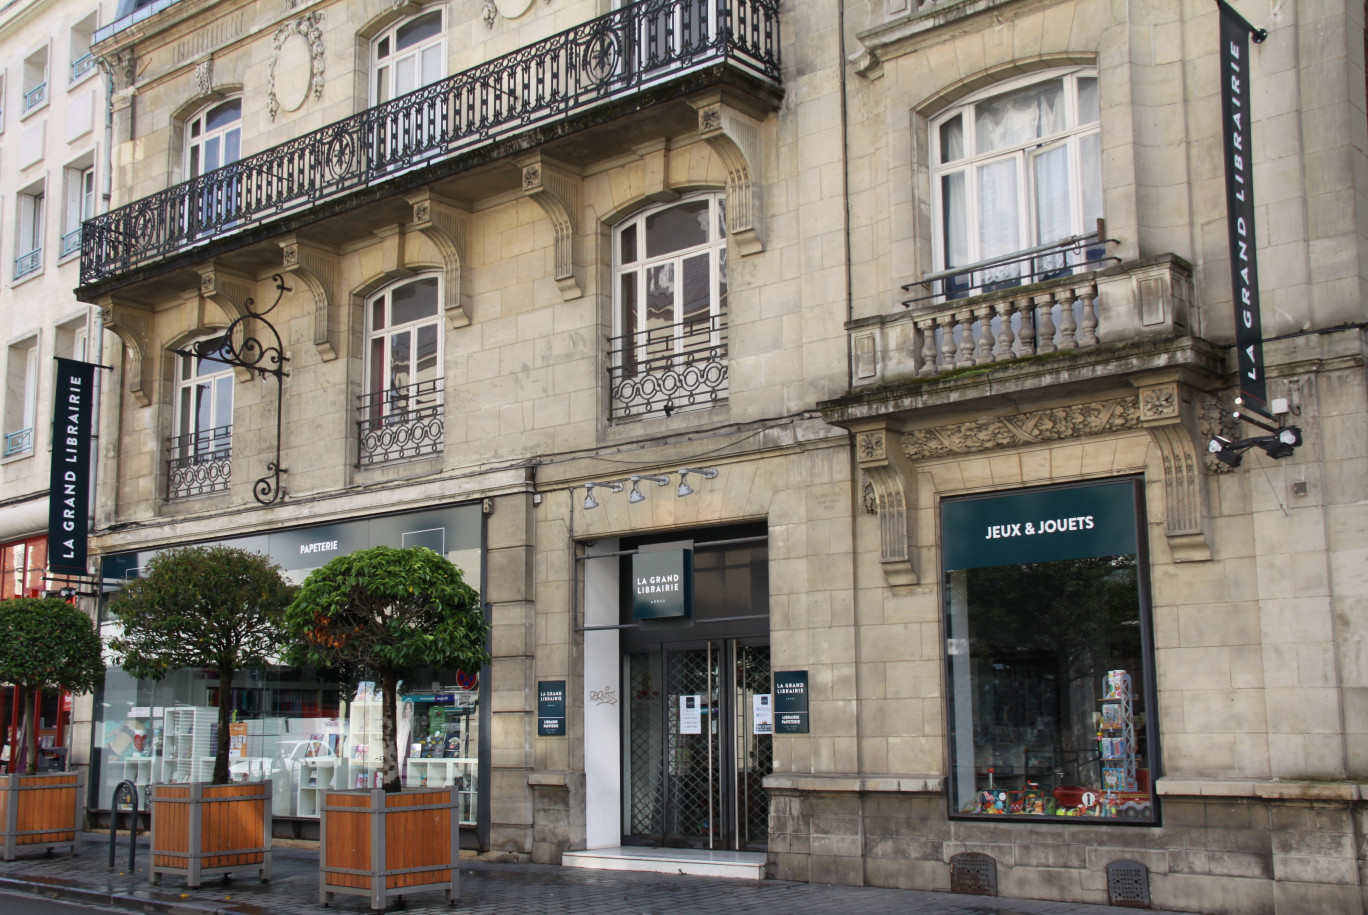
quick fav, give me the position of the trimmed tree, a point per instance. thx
(388, 610)
(46, 643)
(203, 606)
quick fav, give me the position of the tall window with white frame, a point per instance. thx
(82, 61)
(79, 206)
(213, 141)
(1017, 183)
(35, 85)
(21, 397)
(400, 415)
(28, 236)
(406, 57)
(199, 454)
(669, 345)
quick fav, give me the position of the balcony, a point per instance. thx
(35, 97)
(400, 423)
(81, 66)
(18, 442)
(71, 242)
(199, 463)
(30, 262)
(594, 73)
(668, 369)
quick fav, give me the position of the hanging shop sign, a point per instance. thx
(1237, 121)
(1073, 522)
(69, 481)
(662, 585)
(550, 708)
(790, 702)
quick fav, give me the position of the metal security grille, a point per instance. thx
(1128, 885)
(973, 873)
(693, 761)
(756, 757)
(645, 743)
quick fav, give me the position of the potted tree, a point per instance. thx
(220, 608)
(388, 610)
(45, 643)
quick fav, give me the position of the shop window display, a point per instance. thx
(1048, 654)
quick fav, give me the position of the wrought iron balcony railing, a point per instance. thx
(35, 96)
(676, 367)
(18, 442)
(603, 60)
(28, 263)
(199, 463)
(81, 66)
(71, 241)
(400, 423)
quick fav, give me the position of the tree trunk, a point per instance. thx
(225, 709)
(389, 688)
(28, 733)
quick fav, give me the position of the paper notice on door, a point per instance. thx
(762, 714)
(690, 714)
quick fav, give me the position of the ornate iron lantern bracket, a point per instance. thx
(251, 342)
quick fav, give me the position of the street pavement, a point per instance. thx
(31, 882)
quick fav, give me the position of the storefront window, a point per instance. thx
(301, 728)
(1048, 654)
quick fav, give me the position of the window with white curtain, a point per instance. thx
(1014, 168)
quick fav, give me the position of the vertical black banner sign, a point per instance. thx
(1237, 125)
(69, 492)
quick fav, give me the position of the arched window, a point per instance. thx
(401, 409)
(1014, 168)
(670, 307)
(408, 56)
(213, 140)
(201, 446)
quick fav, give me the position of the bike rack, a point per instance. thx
(127, 791)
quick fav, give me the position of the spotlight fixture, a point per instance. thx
(657, 478)
(1280, 444)
(590, 501)
(685, 489)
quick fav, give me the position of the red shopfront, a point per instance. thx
(22, 566)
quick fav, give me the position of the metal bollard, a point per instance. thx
(126, 791)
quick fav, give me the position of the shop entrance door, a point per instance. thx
(693, 762)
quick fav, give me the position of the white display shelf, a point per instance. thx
(442, 773)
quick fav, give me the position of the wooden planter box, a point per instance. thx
(380, 845)
(199, 829)
(41, 810)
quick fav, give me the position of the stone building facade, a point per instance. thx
(905, 326)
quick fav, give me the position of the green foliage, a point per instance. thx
(199, 606)
(388, 609)
(47, 643)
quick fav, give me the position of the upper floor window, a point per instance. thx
(82, 61)
(200, 451)
(21, 396)
(401, 412)
(670, 308)
(30, 212)
(35, 79)
(78, 206)
(408, 56)
(213, 139)
(1016, 169)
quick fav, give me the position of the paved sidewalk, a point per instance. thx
(486, 889)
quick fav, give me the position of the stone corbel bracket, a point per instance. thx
(229, 292)
(316, 268)
(1170, 411)
(445, 223)
(560, 193)
(735, 137)
(131, 322)
(881, 457)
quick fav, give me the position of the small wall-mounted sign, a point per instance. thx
(790, 702)
(662, 585)
(550, 708)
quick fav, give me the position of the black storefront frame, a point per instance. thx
(253, 541)
(1154, 753)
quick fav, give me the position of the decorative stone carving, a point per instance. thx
(991, 433)
(444, 222)
(560, 193)
(1214, 419)
(300, 60)
(489, 13)
(512, 9)
(131, 322)
(735, 138)
(204, 76)
(316, 268)
(893, 482)
(1170, 413)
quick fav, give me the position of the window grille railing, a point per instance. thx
(71, 241)
(28, 263)
(674, 367)
(598, 62)
(199, 463)
(400, 423)
(81, 66)
(35, 96)
(1066, 257)
(19, 441)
